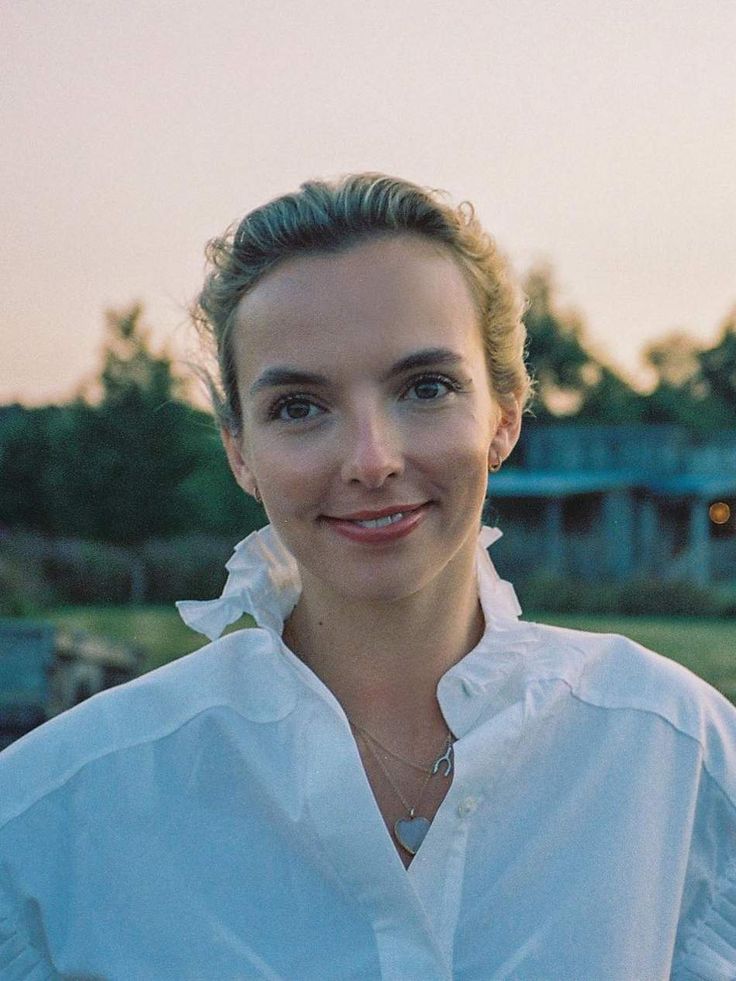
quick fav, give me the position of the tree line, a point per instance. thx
(695, 386)
(139, 461)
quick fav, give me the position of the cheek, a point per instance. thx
(463, 451)
(461, 437)
(289, 475)
(458, 467)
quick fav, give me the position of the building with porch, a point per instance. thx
(618, 502)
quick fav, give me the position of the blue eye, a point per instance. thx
(429, 388)
(293, 408)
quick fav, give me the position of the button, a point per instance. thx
(467, 806)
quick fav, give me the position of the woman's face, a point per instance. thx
(368, 418)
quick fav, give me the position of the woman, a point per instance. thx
(392, 777)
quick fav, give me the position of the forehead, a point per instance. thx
(378, 299)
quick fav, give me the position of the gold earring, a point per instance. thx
(257, 494)
(495, 467)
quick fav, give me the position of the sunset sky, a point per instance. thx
(600, 136)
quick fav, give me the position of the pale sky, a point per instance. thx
(598, 135)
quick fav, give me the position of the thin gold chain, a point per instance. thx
(409, 809)
(423, 768)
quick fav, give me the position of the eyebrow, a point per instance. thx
(285, 375)
(275, 377)
(428, 357)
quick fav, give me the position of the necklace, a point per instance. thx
(444, 757)
(411, 831)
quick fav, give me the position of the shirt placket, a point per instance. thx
(438, 870)
(351, 830)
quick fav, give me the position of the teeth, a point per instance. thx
(381, 522)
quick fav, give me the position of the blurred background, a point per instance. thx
(597, 143)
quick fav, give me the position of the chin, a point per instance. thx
(381, 585)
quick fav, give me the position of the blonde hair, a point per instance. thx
(331, 216)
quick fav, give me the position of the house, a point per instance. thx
(618, 502)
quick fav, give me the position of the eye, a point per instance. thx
(430, 388)
(294, 408)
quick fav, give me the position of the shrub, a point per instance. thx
(22, 593)
(633, 598)
(37, 571)
(185, 567)
(88, 572)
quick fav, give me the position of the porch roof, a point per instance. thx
(706, 485)
(551, 483)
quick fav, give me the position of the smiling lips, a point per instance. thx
(375, 527)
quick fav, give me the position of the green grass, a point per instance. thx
(157, 629)
(707, 647)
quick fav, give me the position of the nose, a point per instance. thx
(373, 450)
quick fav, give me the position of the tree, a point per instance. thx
(674, 359)
(610, 400)
(133, 449)
(718, 374)
(177, 449)
(696, 386)
(127, 461)
(25, 460)
(571, 380)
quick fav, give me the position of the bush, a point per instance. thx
(88, 572)
(669, 599)
(22, 589)
(37, 571)
(632, 598)
(185, 567)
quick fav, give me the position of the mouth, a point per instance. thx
(379, 525)
(382, 522)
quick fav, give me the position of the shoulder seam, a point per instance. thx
(687, 735)
(53, 788)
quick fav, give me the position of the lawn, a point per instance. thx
(707, 647)
(157, 629)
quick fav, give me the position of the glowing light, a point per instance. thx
(719, 513)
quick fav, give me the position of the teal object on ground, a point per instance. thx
(26, 656)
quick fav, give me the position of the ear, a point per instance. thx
(507, 431)
(238, 462)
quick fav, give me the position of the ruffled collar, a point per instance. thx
(263, 581)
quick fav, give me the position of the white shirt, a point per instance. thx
(212, 819)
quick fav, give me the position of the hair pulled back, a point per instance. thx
(331, 216)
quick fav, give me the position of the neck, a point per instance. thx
(383, 660)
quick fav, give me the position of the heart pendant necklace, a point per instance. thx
(411, 831)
